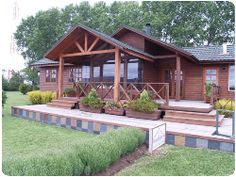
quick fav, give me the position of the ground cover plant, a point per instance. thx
(182, 161)
(32, 148)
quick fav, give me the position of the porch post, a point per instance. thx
(125, 70)
(60, 76)
(101, 73)
(178, 79)
(117, 75)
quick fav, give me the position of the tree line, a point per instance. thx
(180, 23)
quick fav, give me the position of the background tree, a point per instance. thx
(15, 81)
(181, 23)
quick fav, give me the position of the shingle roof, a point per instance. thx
(212, 53)
(46, 61)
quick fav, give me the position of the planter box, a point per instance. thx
(141, 115)
(88, 109)
(118, 112)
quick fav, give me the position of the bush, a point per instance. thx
(143, 104)
(208, 88)
(69, 91)
(40, 97)
(4, 98)
(112, 105)
(92, 100)
(24, 88)
(226, 104)
(87, 158)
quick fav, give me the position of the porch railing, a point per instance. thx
(127, 90)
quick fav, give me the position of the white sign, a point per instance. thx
(157, 137)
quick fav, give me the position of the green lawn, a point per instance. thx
(23, 138)
(182, 161)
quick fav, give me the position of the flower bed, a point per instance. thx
(90, 109)
(142, 115)
(114, 108)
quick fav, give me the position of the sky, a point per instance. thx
(26, 8)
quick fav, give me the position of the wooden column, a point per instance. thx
(126, 59)
(178, 78)
(101, 73)
(117, 75)
(60, 76)
(91, 71)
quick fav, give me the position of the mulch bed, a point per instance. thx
(124, 161)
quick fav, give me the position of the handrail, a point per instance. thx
(128, 90)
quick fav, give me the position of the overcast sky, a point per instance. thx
(8, 25)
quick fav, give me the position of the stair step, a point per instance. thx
(65, 101)
(210, 115)
(69, 98)
(60, 106)
(199, 121)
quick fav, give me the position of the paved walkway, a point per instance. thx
(200, 130)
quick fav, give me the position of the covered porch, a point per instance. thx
(116, 70)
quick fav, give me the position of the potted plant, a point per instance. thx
(69, 92)
(114, 108)
(91, 103)
(144, 107)
(208, 88)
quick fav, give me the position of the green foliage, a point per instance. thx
(69, 91)
(15, 81)
(41, 97)
(226, 104)
(143, 104)
(87, 158)
(112, 105)
(4, 98)
(31, 75)
(92, 100)
(24, 88)
(4, 84)
(208, 88)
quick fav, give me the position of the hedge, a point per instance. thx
(89, 157)
(41, 97)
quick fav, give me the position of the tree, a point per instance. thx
(4, 98)
(31, 75)
(15, 81)
(4, 84)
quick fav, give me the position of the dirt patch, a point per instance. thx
(124, 161)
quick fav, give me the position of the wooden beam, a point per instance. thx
(89, 53)
(101, 73)
(138, 55)
(93, 44)
(126, 60)
(79, 46)
(85, 42)
(165, 56)
(60, 76)
(117, 75)
(178, 78)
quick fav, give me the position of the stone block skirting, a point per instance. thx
(93, 126)
(196, 141)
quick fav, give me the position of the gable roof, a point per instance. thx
(212, 53)
(47, 62)
(101, 35)
(155, 40)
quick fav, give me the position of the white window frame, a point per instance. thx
(229, 78)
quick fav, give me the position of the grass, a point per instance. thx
(182, 161)
(22, 139)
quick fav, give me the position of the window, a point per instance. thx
(75, 75)
(51, 75)
(211, 76)
(231, 77)
(85, 73)
(96, 73)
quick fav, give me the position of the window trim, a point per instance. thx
(50, 75)
(79, 69)
(229, 78)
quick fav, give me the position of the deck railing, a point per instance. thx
(128, 91)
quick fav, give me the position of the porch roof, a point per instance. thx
(47, 62)
(51, 54)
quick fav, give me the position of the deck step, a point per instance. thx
(64, 102)
(208, 119)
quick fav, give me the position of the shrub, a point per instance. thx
(69, 91)
(112, 105)
(40, 97)
(4, 98)
(24, 88)
(92, 100)
(225, 104)
(143, 104)
(208, 88)
(87, 158)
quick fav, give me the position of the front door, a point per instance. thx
(170, 77)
